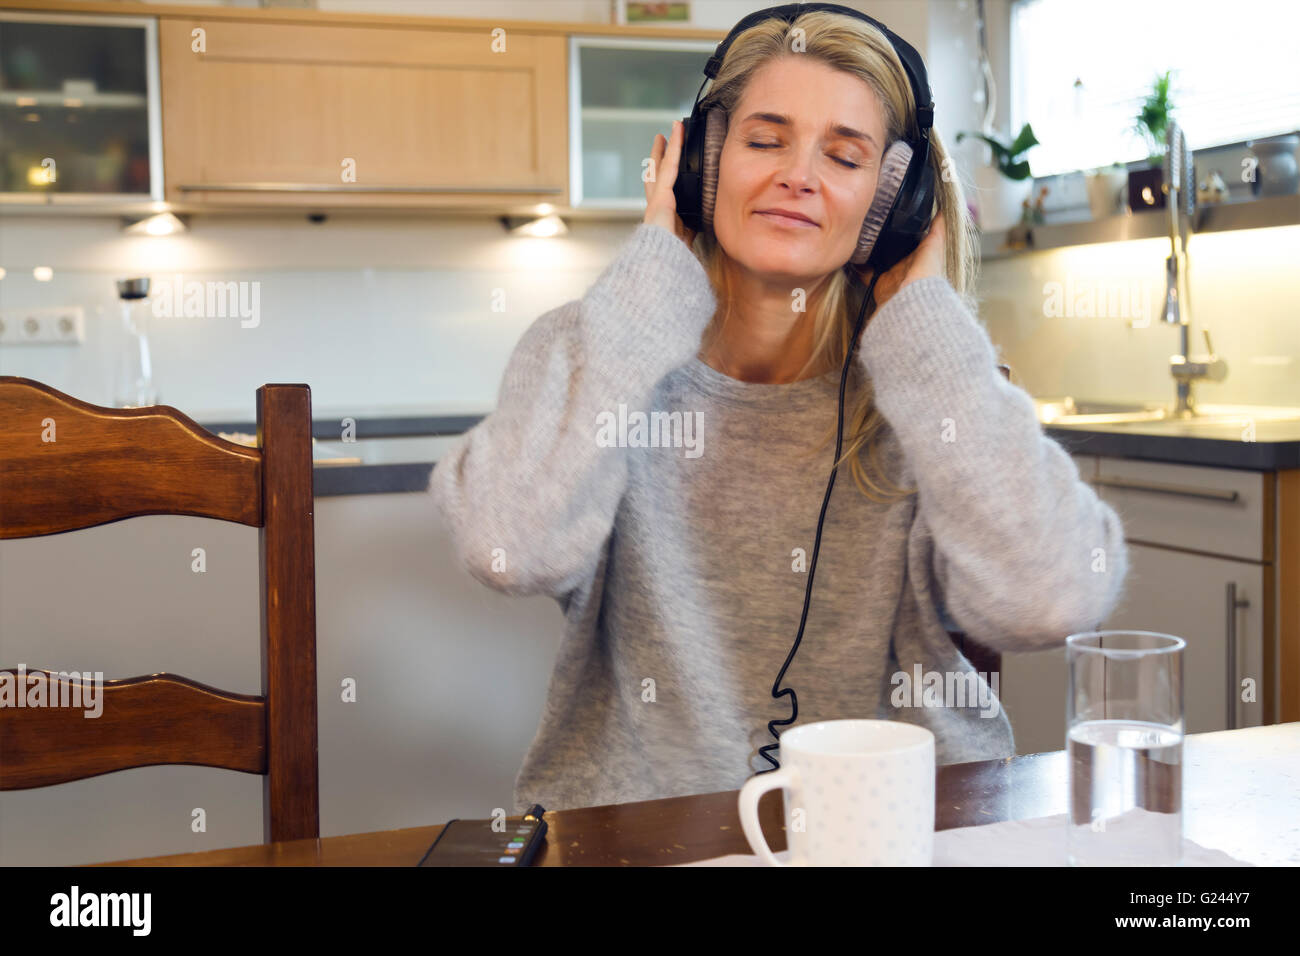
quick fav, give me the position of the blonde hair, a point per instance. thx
(858, 48)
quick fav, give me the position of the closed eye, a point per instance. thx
(842, 162)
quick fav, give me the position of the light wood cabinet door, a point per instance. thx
(278, 114)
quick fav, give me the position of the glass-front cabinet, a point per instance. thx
(622, 92)
(79, 109)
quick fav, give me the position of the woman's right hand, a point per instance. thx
(661, 203)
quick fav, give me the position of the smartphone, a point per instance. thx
(475, 843)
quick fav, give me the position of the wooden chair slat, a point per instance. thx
(158, 719)
(71, 465)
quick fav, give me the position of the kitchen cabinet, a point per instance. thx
(1172, 592)
(621, 93)
(306, 115)
(1188, 595)
(79, 110)
(1202, 566)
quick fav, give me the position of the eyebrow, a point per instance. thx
(839, 129)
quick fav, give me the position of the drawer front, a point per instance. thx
(1215, 510)
(1087, 466)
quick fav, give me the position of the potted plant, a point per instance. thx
(1146, 186)
(1007, 181)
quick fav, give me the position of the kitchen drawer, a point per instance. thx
(1215, 510)
(1087, 466)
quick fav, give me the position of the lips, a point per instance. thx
(785, 217)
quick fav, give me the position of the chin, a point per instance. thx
(771, 257)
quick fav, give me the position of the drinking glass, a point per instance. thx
(1124, 745)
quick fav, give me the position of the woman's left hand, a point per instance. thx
(925, 261)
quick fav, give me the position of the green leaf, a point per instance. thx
(1023, 141)
(1018, 170)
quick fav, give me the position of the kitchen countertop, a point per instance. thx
(384, 422)
(398, 446)
(1276, 446)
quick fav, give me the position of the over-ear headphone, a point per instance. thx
(899, 215)
(895, 224)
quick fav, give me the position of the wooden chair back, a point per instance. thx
(69, 465)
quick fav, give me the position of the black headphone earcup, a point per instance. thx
(687, 184)
(893, 173)
(910, 220)
(715, 134)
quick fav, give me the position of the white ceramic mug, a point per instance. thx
(857, 793)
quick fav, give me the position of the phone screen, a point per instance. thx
(475, 843)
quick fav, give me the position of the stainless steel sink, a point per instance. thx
(1069, 411)
(1072, 411)
(1236, 413)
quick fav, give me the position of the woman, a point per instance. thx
(679, 553)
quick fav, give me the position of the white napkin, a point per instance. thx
(1036, 842)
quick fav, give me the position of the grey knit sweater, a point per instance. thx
(677, 546)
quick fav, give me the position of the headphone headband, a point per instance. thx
(913, 65)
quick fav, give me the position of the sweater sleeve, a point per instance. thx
(528, 493)
(1025, 553)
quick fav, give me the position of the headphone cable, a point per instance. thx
(777, 691)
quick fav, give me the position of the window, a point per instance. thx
(1235, 74)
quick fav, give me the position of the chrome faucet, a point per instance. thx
(1179, 185)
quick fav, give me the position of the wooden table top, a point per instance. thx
(1241, 792)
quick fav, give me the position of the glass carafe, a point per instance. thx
(133, 384)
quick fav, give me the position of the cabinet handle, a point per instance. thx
(1233, 604)
(349, 188)
(1133, 484)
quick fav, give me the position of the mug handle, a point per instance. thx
(750, 793)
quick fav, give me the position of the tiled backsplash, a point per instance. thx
(1243, 290)
(369, 313)
(403, 312)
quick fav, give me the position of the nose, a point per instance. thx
(797, 173)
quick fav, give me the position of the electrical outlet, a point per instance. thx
(60, 325)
